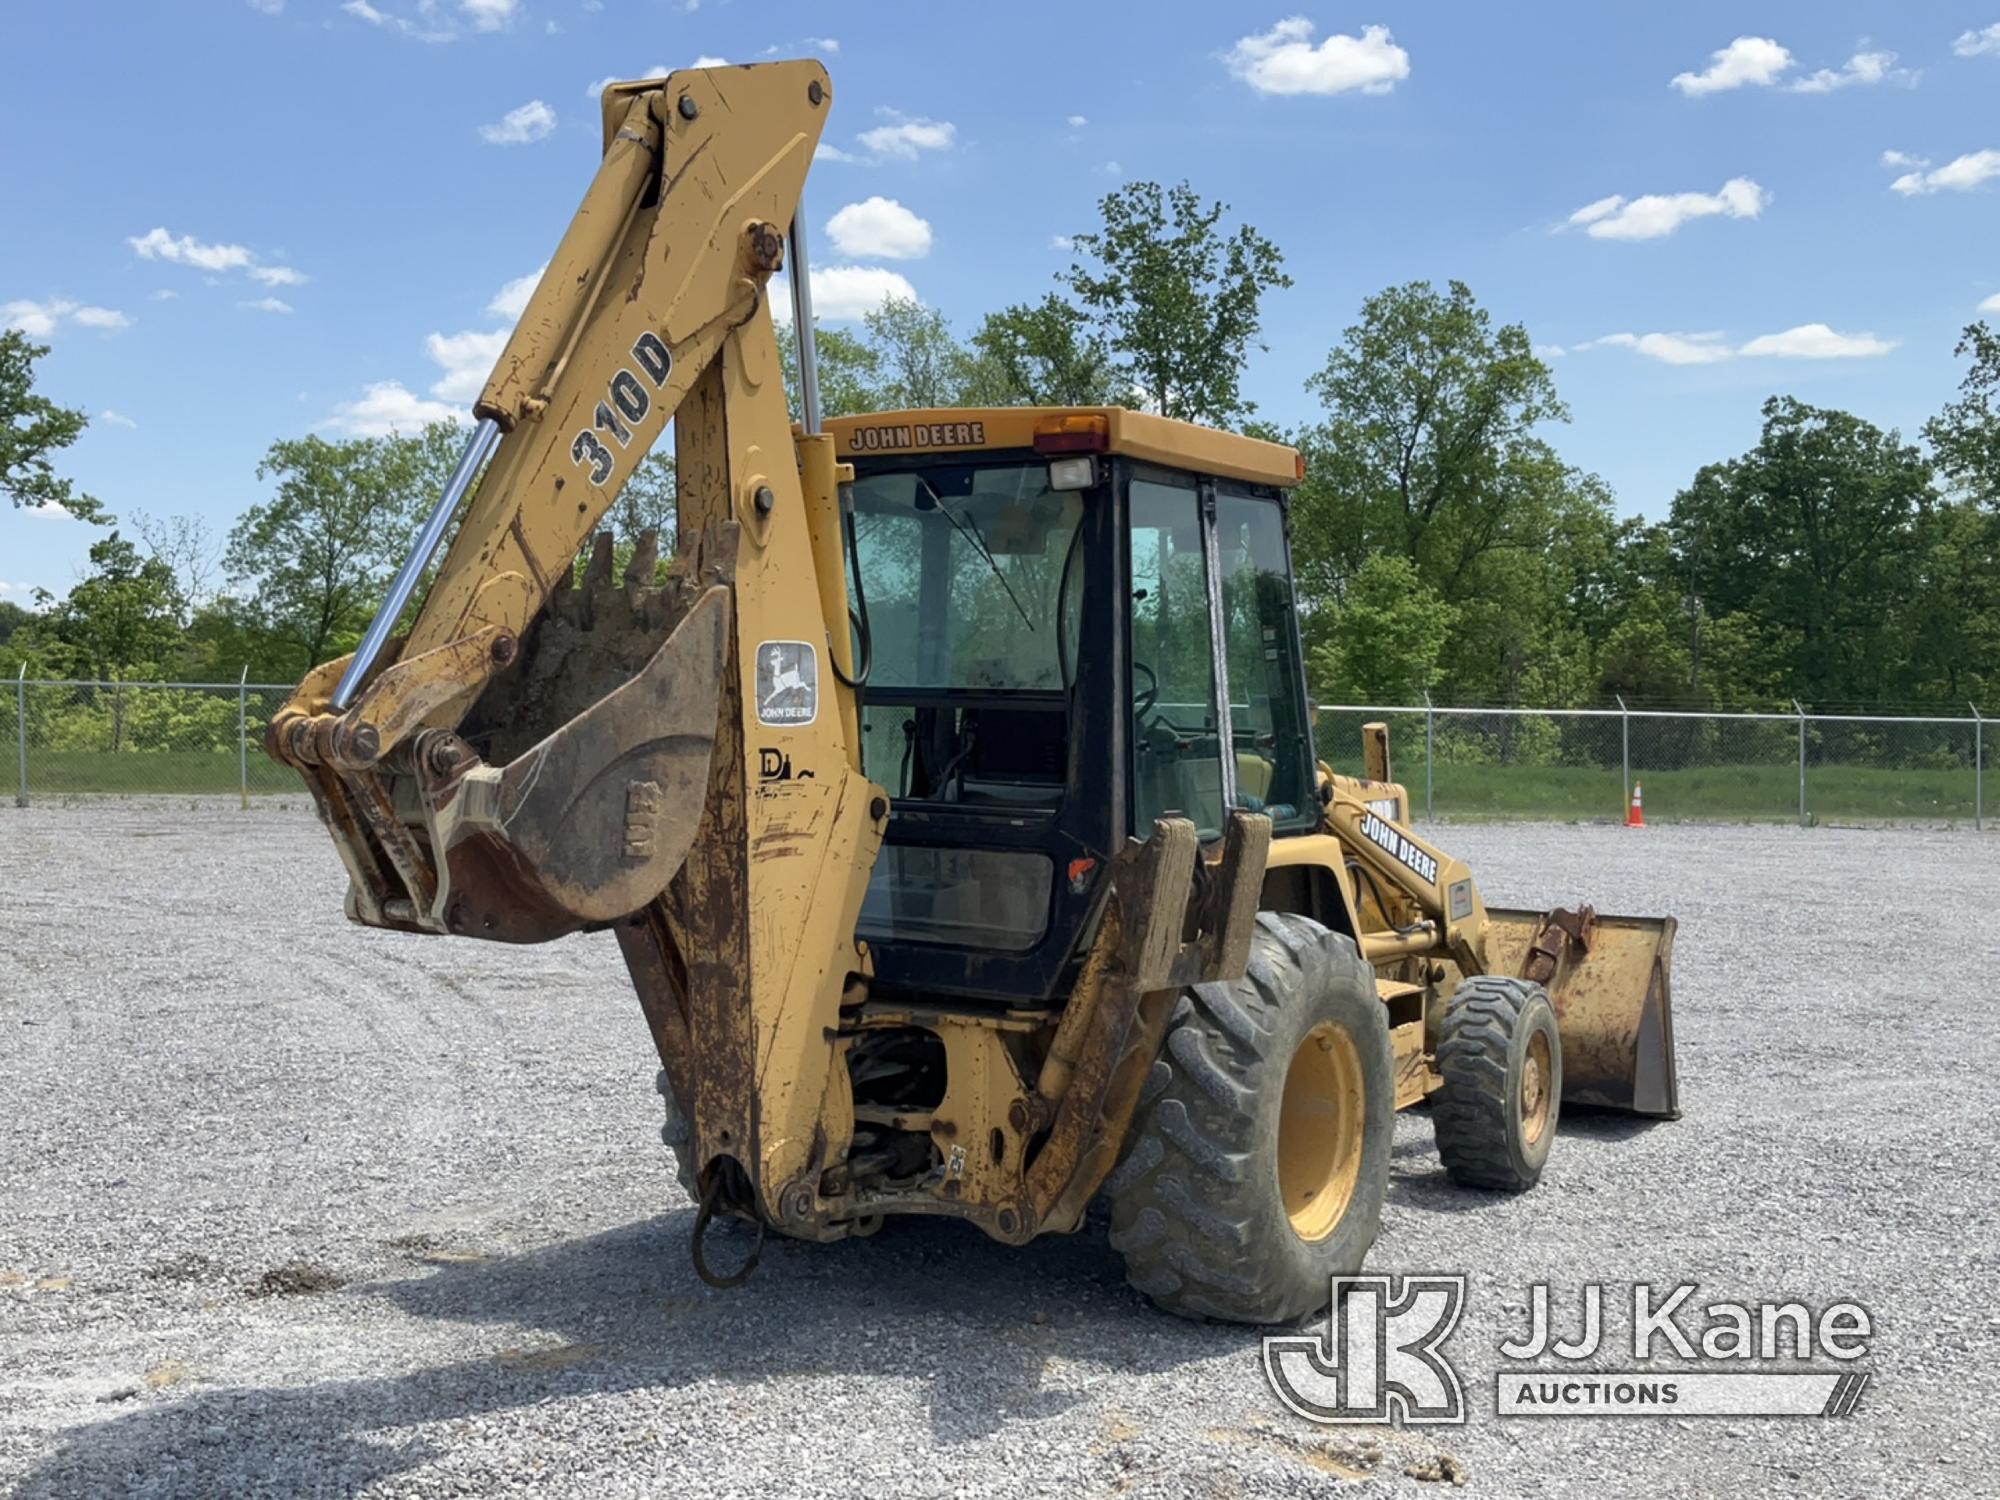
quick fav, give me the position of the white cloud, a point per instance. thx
(1901, 159)
(1960, 175)
(879, 229)
(200, 255)
(1670, 348)
(112, 418)
(1284, 60)
(906, 135)
(827, 151)
(1991, 304)
(1753, 60)
(165, 294)
(16, 590)
(1112, 169)
(1863, 67)
(40, 320)
(386, 407)
(1816, 341)
(186, 250)
(827, 44)
(467, 359)
(596, 90)
(1550, 351)
(489, 15)
(1077, 122)
(1061, 242)
(1807, 341)
(706, 61)
(512, 299)
(267, 304)
(532, 121)
(48, 510)
(1978, 43)
(1657, 214)
(846, 294)
(268, 7)
(422, 31)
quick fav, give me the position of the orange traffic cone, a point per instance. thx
(1635, 815)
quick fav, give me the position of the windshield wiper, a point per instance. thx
(969, 529)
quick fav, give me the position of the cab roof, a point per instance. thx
(1136, 434)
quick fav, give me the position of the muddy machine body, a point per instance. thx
(951, 793)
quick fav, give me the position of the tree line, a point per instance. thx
(1443, 545)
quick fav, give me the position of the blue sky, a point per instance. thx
(239, 220)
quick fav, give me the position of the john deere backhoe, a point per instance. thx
(952, 795)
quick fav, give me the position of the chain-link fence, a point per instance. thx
(1589, 763)
(137, 738)
(96, 738)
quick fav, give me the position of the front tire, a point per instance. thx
(1500, 1057)
(1254, 1172)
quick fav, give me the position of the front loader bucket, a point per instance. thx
(1610, 979)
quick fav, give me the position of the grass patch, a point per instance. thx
(152, 771)
(1767, 793)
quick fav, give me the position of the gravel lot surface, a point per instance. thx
(289, 1207)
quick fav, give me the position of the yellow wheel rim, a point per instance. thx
(1320, 1125)
(1537, 1073)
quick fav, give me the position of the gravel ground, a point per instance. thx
(288, 1207)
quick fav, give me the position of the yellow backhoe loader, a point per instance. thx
(952, 794)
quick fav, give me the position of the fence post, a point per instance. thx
(21, 728)
(1625, 747)
(1801, 711)
(1978, 767)
(1431, 755)
(243, 734)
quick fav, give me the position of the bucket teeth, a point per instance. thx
(645, 561)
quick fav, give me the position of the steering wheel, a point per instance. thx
(1145, 697)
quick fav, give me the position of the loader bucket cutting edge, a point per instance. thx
(1614, 1006)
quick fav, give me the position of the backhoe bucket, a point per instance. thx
(597, 746)
(1610, 980)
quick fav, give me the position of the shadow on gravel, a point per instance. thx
(969, 1321)
(1417, 1180)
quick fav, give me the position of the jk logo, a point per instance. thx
(1378, 1359)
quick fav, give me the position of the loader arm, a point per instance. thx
(1607, 977)
(678, 763)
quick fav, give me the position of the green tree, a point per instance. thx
(921, 363)
(1428, 442)
(1385, 638)
(1044, 354)
(850, 371)
(316, 557)
(1811, 536)
(120, 620)
(1966, 434)
(1180, 300)
(12, 618)
(648, 502)
(33, 427)
(191, 553)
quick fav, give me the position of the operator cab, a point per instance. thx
(1076, 621)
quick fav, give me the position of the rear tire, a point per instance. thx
(1255, 1168)
(1500, 1056)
